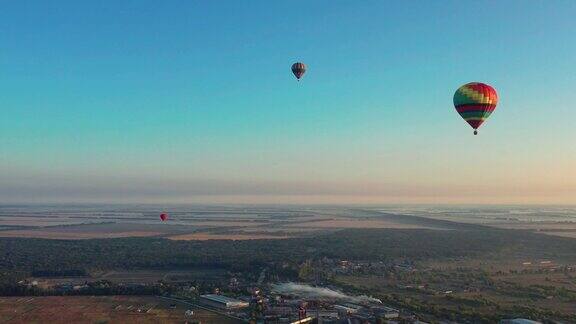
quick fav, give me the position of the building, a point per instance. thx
(386, 312)
(280, 310)
(324, 314)
(222, 302)
(347, 309)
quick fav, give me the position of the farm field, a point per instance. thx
(62, 235)
(356, 223)
(192, 223)
(107, 309)
(210, 236)
(201, 223)
(550, 220)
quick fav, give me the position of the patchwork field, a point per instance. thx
(109, 309)
(62, 235)
(250, 223)
(355, 223)
(193, 223)
(209, 236)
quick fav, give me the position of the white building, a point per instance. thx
(222, 302)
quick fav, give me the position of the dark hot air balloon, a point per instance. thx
(298, 69)
(475, 102)
(163, 217)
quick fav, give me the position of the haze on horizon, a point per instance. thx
(194, 102)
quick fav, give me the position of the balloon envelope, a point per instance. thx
(475, 102)
(163, 216)
(298, 69)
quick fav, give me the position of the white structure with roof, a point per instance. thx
(222, 302)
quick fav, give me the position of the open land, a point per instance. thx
(101, 309)
(193, 224)
(479, 268)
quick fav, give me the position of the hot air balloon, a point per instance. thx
(163, 217)
(475, 101)
(298, 69)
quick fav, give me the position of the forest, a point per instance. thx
(25, 257)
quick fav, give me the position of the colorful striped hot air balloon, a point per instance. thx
(475, 102)
(298, 69)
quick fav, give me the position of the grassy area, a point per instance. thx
(109, 309)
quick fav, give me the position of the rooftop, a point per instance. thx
(221, 299)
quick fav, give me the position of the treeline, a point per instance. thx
(27, 256)
(60, 273)
(98, 288)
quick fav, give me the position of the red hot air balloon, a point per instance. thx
(298, 69)
(475, 102)
(163, 217)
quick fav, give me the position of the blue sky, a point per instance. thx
(193, 101)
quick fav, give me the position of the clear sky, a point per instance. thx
(194, 101)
